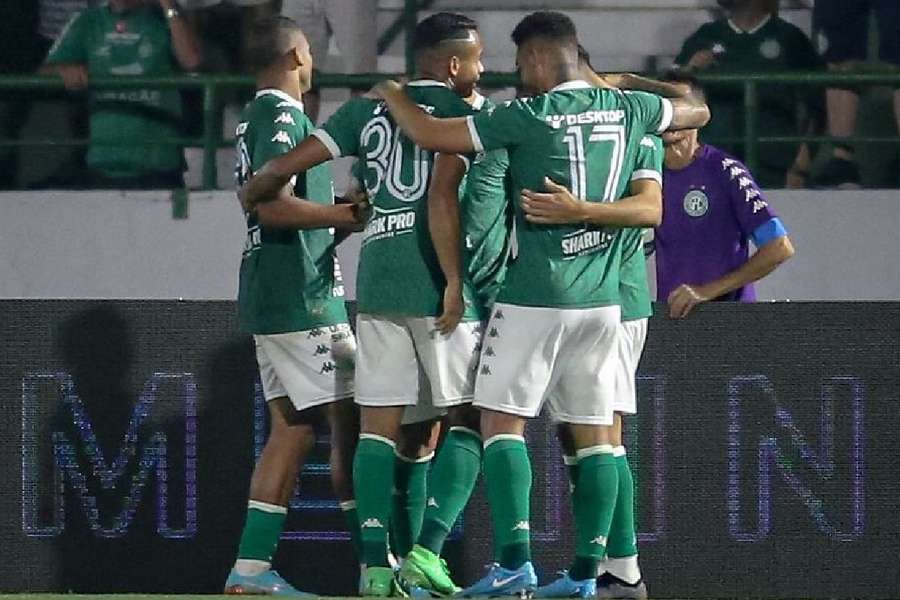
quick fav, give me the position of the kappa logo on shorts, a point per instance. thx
(314, 333)
(489, 351)
(327, 367)
(322, 349)
(485, 370)
(494, 333)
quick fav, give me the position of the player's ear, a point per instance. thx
(295, 57)
(454, 65)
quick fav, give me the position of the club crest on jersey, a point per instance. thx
(696, 203)
(585, 241)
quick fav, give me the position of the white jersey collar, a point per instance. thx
(762, 24)
(575, 84)
(272, 91)
(427, 83)
(478, 102)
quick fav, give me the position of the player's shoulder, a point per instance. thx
(730, 171)
(278, 106)
(784, 27)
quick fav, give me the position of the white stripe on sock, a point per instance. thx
(625, 568)
(619, 451)
(570, 460)
(269, 508)
(421, 459)
(592, 450)
(348, 505)
(462, 429)
(378, 438)
(248, 567)
(504, 436)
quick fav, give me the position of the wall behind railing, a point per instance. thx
(118, 245)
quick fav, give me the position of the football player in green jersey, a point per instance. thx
(485, 222)
(410, 286)
(552, 336)
(291, 299)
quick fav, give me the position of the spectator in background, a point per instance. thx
(54, 15)
(128, 129)
(712, 209)
(843, 39)
(755, 38)
(353, 25)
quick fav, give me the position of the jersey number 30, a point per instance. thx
(385, 158)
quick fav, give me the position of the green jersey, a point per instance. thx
(633, 288)
(486, 221)
(398, 269)
(586, 139)
(290, 279)
(127, 126)
(774, 45)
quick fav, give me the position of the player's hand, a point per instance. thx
(684, 298)
(702, 59)
(246, 204)
(382, 88)
(75, 77)
(555, 206)
(453, 308)
(362, 210)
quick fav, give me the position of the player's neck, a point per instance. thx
(748, 19)
(288, 83)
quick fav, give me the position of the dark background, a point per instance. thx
(765, 455)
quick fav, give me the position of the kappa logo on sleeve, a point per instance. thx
(282, 137)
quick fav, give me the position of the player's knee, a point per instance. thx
(418, 439)
(498, 423)
(466, 416)
(565, 439)
(381, 421)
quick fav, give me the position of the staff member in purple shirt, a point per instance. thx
(712, 210)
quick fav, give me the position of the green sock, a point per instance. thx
(622, 539)
(261, 531)
(507, 471)
(351, 517)
(373, 481)
(409, 503)
(450, 485)
(594, 502)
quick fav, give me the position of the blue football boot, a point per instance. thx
(267, 583)
(520, 582)
(566, 587)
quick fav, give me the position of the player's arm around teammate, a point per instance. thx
(455, 135)
(443, 224)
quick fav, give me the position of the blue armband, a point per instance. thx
(768, 231)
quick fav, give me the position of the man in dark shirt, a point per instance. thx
(752, 39)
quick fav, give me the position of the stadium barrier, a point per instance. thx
(215, 87)
(764, 455)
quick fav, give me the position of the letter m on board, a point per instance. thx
(61, 452)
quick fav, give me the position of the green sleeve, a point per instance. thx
(502, 127)
(341, 132)
(275, 133)
(803, 55)
(692, 45)
(649, 161)
(71, 46)
(651, 113)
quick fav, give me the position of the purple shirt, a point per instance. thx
(711, 208)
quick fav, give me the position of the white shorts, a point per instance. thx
(566, 357)
(423, 410)
(632, 336)
(392, 349)
(310, 367)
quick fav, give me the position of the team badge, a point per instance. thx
(696, 203)
(770, 49)
(121, 26)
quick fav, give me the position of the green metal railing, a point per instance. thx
(215, 88)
